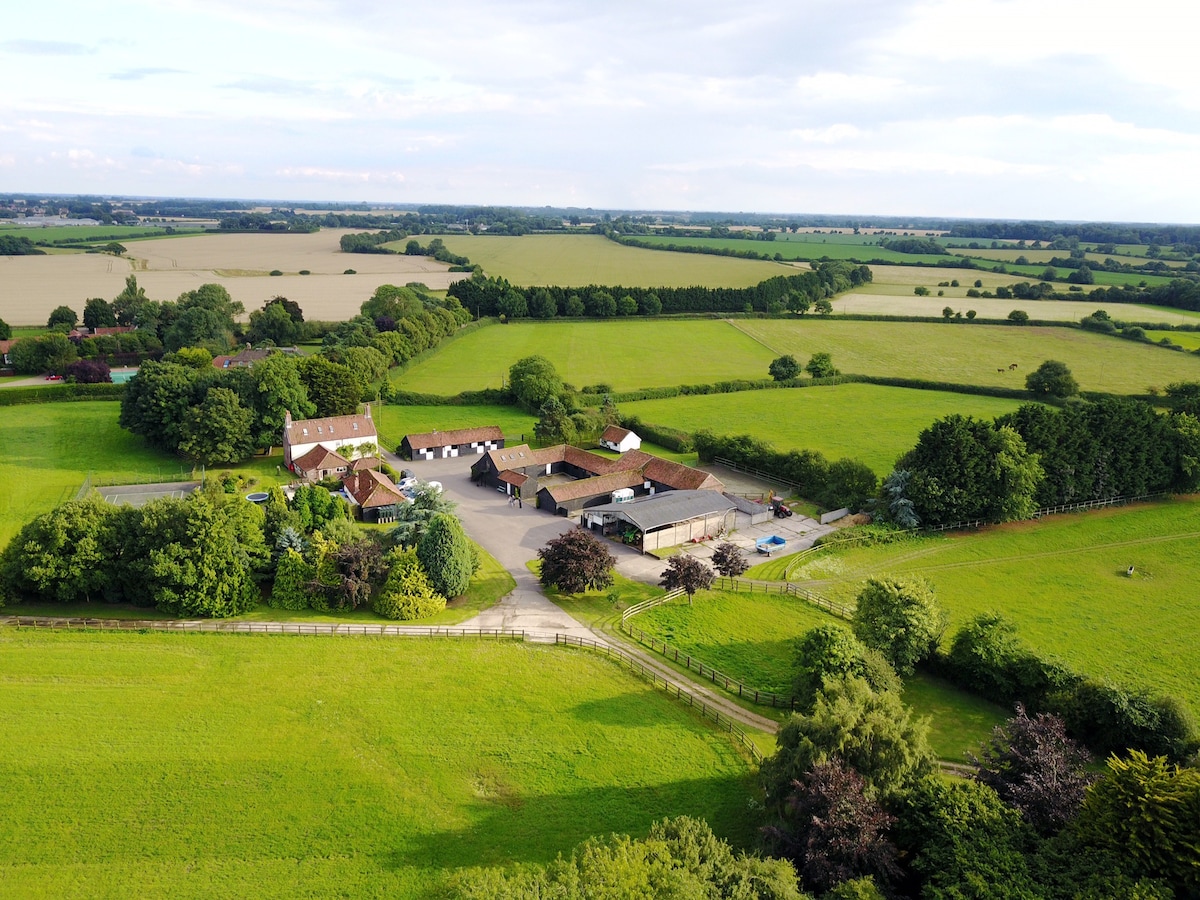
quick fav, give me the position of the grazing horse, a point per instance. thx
(1012, 366)
(1002, 371)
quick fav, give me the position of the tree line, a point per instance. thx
(486, 296)
(215, 555)
(963, 469)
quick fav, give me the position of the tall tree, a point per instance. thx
(1036, 768)
(833, 831)
(218, 431)
(98, 313)
(533, 380)
(684, 572)
(872, 732)
(901, 619)
(576, 562)
(729, 560)
(446, 554)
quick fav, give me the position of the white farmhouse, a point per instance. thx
(302, 437)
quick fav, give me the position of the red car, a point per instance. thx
(54, 378)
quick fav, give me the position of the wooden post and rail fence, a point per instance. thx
(707, 672)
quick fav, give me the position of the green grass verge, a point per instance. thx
(577, 260)
(219, 765)
(750, 636)
(1062, 581)
(861, 421)
(1188, 340)
(623, 354)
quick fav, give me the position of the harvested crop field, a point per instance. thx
(582, 259)
(31, 286)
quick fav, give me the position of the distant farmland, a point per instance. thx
(31, 286)
(570, 260)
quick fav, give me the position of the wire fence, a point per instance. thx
(706, 710)
(1050, 511)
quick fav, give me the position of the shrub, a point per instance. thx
(292, 577)
(575, 562)
(275, 272)
(408, 592)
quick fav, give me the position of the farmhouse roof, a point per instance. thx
(461, 436)
(320, 458)
(371, 489)
(516, 479)
(593, 487)
(614, 434)
(517, 457)
(648, 513)
(364, 462)
(331, 428)
(680, 477)
(5, 346)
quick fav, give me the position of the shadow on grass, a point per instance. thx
(538, 828)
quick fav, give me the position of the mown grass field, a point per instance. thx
(861, 421)
(48, 449)
(86, 232)
(750, 636)
(222, 765)
(893, 300)
(1062, 581)
(583, 259)
(1188, 340)
(971, 354)
(625, 354)
(630, 354)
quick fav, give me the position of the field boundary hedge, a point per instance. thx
(60, 393)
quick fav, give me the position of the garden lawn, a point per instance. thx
(750, 637)
(583, 259)
(862, 421)
(47, 450)
(625, 354)
(962, 353)
(220, 765)
(1062, 580)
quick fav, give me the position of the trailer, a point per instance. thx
(770, 544)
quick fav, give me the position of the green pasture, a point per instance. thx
(223, 765)
(394, 422)
(963, 353)
(1188, 340)
(48, 449)
(625, 354)
(631, 354)
(1063, 581)
(861, 421)
(569, 259)
(805, 247)
(894, 300)
(750, 636)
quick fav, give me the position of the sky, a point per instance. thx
(1024, 109)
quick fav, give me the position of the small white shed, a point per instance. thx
(620, 439)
